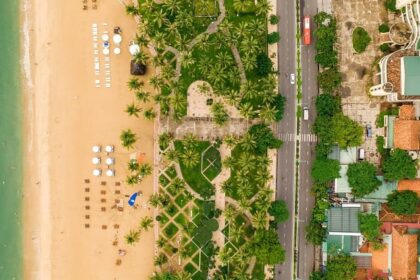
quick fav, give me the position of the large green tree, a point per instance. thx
(325, 170)
(341, 267)
(347, 132)
(403, 202)
(328, 104)
(399, 165)
(266, 247)
(264, 138)
(330, 79)
(362, 178)
(370, 227)
(278, 209)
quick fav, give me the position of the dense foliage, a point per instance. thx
(361, 39)
(390, 5)
(273, 38)
(403, 202)
(370, 227)
(326, 37)
(399, 165)
(264, 65)
(279, 211)
(328, 105)
(325, 170)
(264, 138)
(329, 80)
(383, 28)
(266, 247)
(341, 267)
(362, 178)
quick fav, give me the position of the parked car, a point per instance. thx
(305, 113)
(368, 131)
(292, 78)
(361, 154)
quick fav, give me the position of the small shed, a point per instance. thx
(137, 69)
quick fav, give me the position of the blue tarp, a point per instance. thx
(132, 199)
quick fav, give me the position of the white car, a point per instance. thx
(292, 79)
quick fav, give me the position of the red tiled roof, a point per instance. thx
(412, 185)
(404, 254)
(407, 112)
(406, 134)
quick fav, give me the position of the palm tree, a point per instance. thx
(244, 204)
(179, 102)
(262, 176)
(190, 141)
(133, 110)
(168, 72)
(131, 10)
(158, 60)
(248, 142)
(204, 88)
(142, 96)
(177, 184)
(161, 242)
(132, 237)
(246, 160)
(172, 6)
(154, 200)
(259, 220)
(257, 26)
(141, 40)
(160, 260)
(150, 114)
(245, 190)
(240, 5)
(230, 140)
(246, 110)
(183, 275)
(228, 162)
(268, 113)
(250, 45)
(172, 155)
(133, 165)
(224, 59)
(146, 223)
(242, 29)
(132, 180)
(156, 81)
(134, 84)
(263, 7)
(190, 157)
(145, 169)
(225, 255)
(236, 232)
(128, 138)
(141, 58)
(159, 18)
(229, 213)
(249, 61)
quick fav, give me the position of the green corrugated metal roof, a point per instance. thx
(343, 243)
(412, 75)
(343, 219)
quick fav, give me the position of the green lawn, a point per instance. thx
(171, 172)
(192, 175)
(181, 200)
(212, 163)
(170, 230)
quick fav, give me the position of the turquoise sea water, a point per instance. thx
(11, 109)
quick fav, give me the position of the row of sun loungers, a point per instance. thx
(96, 60)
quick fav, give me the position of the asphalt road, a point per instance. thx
(307, 149)
(287, 126)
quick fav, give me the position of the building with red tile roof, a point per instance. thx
(404, 254)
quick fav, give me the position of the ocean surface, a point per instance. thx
(11, 121)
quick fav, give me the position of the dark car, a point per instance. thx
(368, 131)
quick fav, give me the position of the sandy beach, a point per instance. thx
(67, 232)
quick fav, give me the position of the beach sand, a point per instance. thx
(65, 115)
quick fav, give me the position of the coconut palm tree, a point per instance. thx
(245, 190)
(154, 200)
(141, 40)
(204, 88)
(229, 213)
(187, 58)
(158, 18)
(236, 232)
(259, 220)
(250, 45)
(190, 141)
(268, 113)
(168, 72)
(134, 84)
(179, 102)
(165, 139)
(141, 58)
(132, 180)
(228, 187)
(228, 162)
(178, 184)
(146, 223)
(225, 255)
(183, 275)
(156, 82)
(242, 29)
(145, 169)
(204, 65)
(133, 110)
(160, 260)
(133, 165)
(131, 10)
(132, 237)
(128, 138)
(230, 140)
(257, 26)
(190, 157)
(161, 242)
(172, 6)
(263, 7)
(224, 59)
(246, 160)
(248, 142)
(263, 161)
(246, 110)
(262, 176)
(249, 61)
(150, 114)
(158, 60)
(244, 204)
(142, 96)
(172, 155)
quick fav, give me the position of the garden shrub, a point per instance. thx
(274, 19)
(264, 65)
(384, 47)
(273, 38)
(361, 39)
(383, 28)
(390, 5)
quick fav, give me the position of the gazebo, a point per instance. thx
(137, 69)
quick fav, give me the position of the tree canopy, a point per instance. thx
(265, 246)
(361, 39)
(347, 132)
(362, 178)
(329, 79)
(403, 202)
(278, 209)
(264, 138)
(325, 170)
(370, 226)
(341, 267)
(399, 165)
(328, 105)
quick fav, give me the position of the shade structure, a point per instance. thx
(132, 199)
(96, 160)
(105, 51)
(96, 148)
(109, 148)
(117, 38)
(117, 50)
(96, 172)
(110, 161)
(134, 49)
(105, 37)
(110, 173)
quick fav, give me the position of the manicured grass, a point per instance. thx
(181, 220)
(204, 263)
(163, 180)
(192, 175)
(212, 163)
(170, 230)
(361, 39)
(163, 219)
(190, 268)
(200, 275)
(172, 190)
(258, 272)
(171, 172)
(181, 201)
(203, 233)
(196, 259)
(171, 210)
(191, 249)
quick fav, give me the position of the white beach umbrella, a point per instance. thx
(110, 161)
(96, 160)
(134, 49)
(110, 173)
(109, 148)
(117, 51)
(96, 172)
(117, 38)
(105, 37)
(105, 51)
(96, 149)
